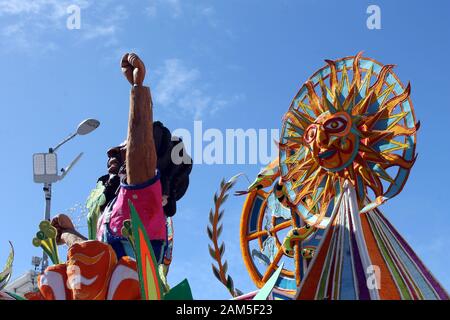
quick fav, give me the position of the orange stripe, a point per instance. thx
(87, 260)
(309, 288)
(144, 262)
(388, 290)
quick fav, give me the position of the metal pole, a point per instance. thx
(48, 197)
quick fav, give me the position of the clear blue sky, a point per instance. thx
(231, 64)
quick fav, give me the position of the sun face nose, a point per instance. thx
(322, 138)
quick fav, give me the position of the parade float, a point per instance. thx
(311, 225)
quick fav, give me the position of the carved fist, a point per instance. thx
(133, 68)
(62, 223)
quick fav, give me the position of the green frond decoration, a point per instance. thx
(181, 291)
(94, 202)
(152, 277)
(46, 239)
(127, 232)
(214, 230)
(5, 275)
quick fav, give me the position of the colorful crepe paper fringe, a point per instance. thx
(362, 257)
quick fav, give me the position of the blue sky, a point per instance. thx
(231, 64)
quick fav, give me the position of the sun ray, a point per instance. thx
(314, 99)
(395, 159)
(337, 101)
(378, 85)
(350, 99)
(306, 108)
(356, 71)
(296, 141)
(333, 75)
(399, 130)
(369, 178)
(344, 83)
(382, 173)
(325, 93)
(362, 106)
(394, 146)
(392, 103)
(296, 121)
(385, 95)
(366, 82)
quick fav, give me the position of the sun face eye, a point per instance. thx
(337, 124)
(310, 134)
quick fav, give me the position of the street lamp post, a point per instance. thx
(45, 169)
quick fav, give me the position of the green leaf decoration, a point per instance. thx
(5, 275)
(230, 283)
(216, 272)
(233, 179)
(264, 292)
(46, 239)
(149, 278)
(181, 291)
(212, 253)
(95, 200)
(210, 234)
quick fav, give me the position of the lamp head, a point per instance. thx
(87, 126)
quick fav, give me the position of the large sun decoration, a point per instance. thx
(363, 131)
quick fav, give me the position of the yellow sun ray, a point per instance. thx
(366, 82)
(356, 71)
(397, 146)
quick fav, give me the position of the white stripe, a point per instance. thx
(120, 274)
(364, 254)
(55, 281)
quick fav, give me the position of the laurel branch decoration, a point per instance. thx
(214, 231)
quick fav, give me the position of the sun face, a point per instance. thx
(362, 131)
(332, 141)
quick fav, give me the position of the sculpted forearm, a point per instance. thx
(141, 154)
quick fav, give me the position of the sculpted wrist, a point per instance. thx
(71, 237)
(141, 95)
